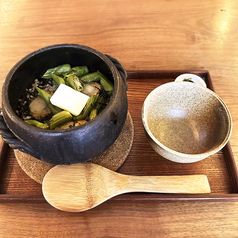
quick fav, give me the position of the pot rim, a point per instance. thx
(16, 119)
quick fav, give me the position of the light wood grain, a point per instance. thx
(156, 34)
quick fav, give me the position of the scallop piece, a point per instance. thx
(91, 89)
(39, 108)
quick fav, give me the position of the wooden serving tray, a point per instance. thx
(220, 168)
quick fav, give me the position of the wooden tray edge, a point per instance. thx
(135, 197)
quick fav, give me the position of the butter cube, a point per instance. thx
(69, 99)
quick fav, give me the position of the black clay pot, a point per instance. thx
(69, 146)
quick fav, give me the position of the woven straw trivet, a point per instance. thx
(112, 158)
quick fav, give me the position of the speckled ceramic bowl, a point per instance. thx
(186, 123)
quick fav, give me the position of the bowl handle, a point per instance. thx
(120, 69)
(11, 139)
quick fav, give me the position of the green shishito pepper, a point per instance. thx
(87, 109)
(59, 70)
(46, 97)
(62, 69)
(95, 110)
(74, 82)
(79, 70)
(89, 78)
(57, 79)
(60, 119)
(106, 83)
(37, 124)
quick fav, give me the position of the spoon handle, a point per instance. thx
(168, 184)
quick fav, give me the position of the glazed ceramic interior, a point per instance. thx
(186, 118)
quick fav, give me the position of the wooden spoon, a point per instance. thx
(80, 187)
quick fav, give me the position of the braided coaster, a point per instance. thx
(112, 158)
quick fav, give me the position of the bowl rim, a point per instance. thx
(16, 119)
(180, 154)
